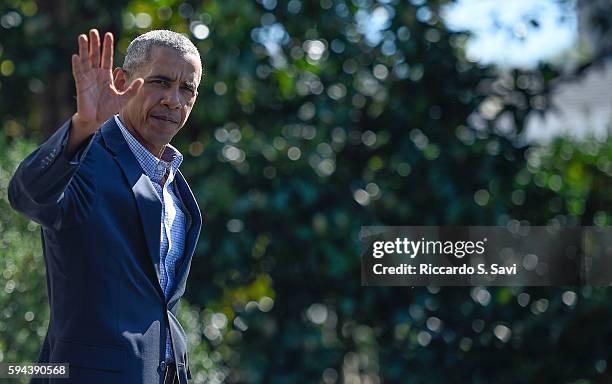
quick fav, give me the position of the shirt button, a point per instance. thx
(162, 365)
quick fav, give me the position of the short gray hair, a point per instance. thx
(139, 50)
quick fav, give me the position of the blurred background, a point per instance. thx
(317, 117)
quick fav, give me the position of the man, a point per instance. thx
(119, 222)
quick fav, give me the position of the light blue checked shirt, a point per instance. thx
(173, 220)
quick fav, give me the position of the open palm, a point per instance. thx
(97, 97)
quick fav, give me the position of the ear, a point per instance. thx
(120, 79)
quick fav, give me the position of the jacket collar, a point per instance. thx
(147, 200)
(149, 205)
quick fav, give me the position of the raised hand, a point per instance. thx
(97, 97)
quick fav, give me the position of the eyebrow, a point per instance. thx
(190, 84)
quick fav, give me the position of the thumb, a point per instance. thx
(133, 88)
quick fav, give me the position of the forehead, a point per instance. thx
(173, 64)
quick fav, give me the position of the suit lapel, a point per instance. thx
(147, 200)
(191, 238)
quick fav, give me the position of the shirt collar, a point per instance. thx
(154, 167)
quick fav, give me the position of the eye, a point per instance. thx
(188, 89)
(163, 83)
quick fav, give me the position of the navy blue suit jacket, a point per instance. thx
(100, 222)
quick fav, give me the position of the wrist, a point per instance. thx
(83, 126)
(79, 132)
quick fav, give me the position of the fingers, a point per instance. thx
(83, 51)
(94, 48)
(75, 66)
(107, 51)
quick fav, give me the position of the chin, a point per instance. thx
(163, 139)
(159, 133)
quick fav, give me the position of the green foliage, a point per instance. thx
(578, 174)
(24, 311)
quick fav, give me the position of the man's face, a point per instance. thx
(163, 103)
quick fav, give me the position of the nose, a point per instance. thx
(171, 98)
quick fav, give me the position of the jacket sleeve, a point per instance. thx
(50, 189)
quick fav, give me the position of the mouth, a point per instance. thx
(164, 118)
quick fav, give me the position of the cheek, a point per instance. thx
(137, 103)
(147, 104)
(186, 112)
